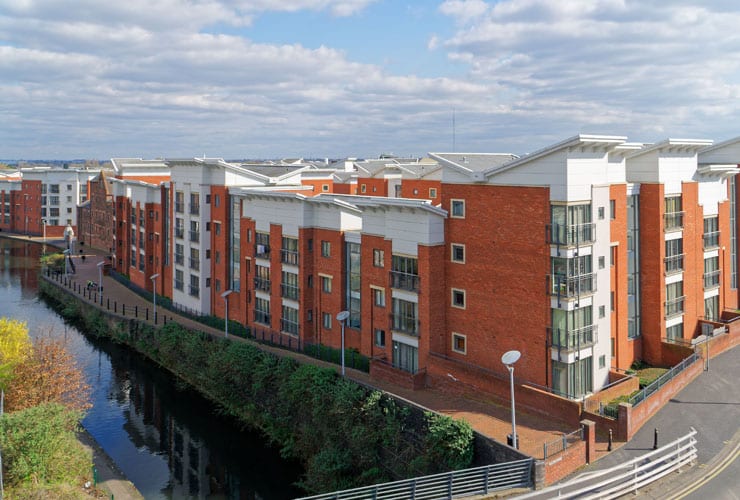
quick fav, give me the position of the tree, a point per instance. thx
(49, 375)
(15, 347)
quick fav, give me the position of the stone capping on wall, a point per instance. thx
(622, 384)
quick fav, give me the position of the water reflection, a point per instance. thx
(166, 438)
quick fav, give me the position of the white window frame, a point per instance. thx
(453, 291)
(464, 338)
(452, 253)
(452, 208)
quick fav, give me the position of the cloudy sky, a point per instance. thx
(318, 78)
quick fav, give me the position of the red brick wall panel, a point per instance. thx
(652, 270)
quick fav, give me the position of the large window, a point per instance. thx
(179, 280)
(711, 308)
(289, 320)
(633, 266)
(289, 251)
(405, 357)
(405, 273)
(262, 311)
(674, 256)
(353, 296)
(262, 245)
(235, 261)
(262, 278)
(711, 232)
(673, 213)
(711, 272)
(194, 203)
(571, 224)
(289, 286)
(674, 299)
(572, 380)
(194, 285)
(573, 329)
(405, 317)
(179, 202)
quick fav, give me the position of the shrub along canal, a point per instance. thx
(165, 437)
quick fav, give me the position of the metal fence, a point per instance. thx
(639, 397)
(456, 484)
(562, 443)
(626, 477)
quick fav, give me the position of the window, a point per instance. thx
(457, 209)
(289, 320)
(194, 203)
(69, 187)
(378, 258)
(217, 285)
(612, 255)
(711, 232)
(179, 254)
(179, 202)
(326, 284)
(612, 209)
(674, 256)
(673, 213)
(54, 188)
(217, 200)
(611, 300)
(69, 199)
(379, 297)
(674, 303)
(195, 259)
(208, 199)
(363, 188)
(218, 257)
(459, 343)
(458, 298)
(405, 316)
(711, 308)
(326, 320)
(179, 280)
(262, 310)
(289, 251)
(601, 213)
(457, 252)
(262, 245)
(405, 357)
(262, 278)
(432, 192)
(325, 248)
(405, 273)
(325, 187)
(674, 332)
(289, 285)
(602, 262)
(379, 337)
(217, 228)
(194, 285)
(711, 272)
(602, 311)
(602, 361)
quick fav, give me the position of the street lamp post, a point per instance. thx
(342, 318)
(154, 277)
(225, 296)
(100, 278)
(509, 358)
(66, 264)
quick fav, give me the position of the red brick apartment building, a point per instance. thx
(585, 256)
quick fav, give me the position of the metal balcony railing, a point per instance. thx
(194, 209)
(195, 236)
(262, 251)
(573, 286)
(195, 264)
(179, 232)
(711, 240)
(674, 264)
(289, 291)
(179, 285)
(674, 307)
(573, 339)
(288, 326)
(673, 221)
(404, 281)
(405, 324)
(711, 279)
(262, 284)
(194, 290)
(289, 257)
(179, 259)
(571, 234)
(179, 207)
(262, 317)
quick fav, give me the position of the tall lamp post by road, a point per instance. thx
(342, 318)
(66, 259)
(225, 296)
(43, 224)
(154, 277)
(509, 358)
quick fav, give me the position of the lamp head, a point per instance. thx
(510, 357)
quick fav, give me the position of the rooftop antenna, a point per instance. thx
(453, 130)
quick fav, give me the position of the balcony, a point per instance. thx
(262, 284)
(404, 281)
(405, 324)
(262, 251)
(571, 235)
(711, 279)
(573, 286)
(674, 264)
(194, 209)
(711, 240)
(289, 291)
(673, 221)
(179, 232)
(195, 236)
(289, 257)
(674, 307)
(289, 326)
(179, 285)
(195, 264)
(262, 317)
(179, 259)
(194, 290)
(573, 339)
(179, 207)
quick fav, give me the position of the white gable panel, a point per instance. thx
(676, 168)
(728, 154)
(712, 193)
(548, 170)
(643, 168)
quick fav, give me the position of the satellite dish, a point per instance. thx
(341, 316)
(511, 357)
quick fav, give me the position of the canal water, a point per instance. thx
(169, 441)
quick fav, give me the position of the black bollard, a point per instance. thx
(609, 448)
(655, 439)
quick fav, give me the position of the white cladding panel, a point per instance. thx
(676, 168)
(602, 297)
(616, 170)
(549, 170)
(264, 211)
(711, 193)
(454, 176)
(584, 170)
(729, 154)
(643, 168)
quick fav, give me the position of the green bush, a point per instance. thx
(40, 446)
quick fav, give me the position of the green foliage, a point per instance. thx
(345, 435)
(53, 261)
(39, 446)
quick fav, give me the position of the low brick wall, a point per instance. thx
(673, 354)
(549, 404)
(565, 462)
(381, 370)
(624, 385)
(726, 341)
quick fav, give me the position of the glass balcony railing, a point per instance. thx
(195, 264)
(571, 234)
(194, 290)
(289, 291)
(404, 281)
(194, 209)
(573, 339)
(262, 284)
(179, 232)
(573, 286)
(674, 307)
(195, 236)
(262, 251)
(711, 279)
(674, 264)
(405, 324)
(673, 221)
(179, 259)
(289, 257)
(711, 240)
(179, 207)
